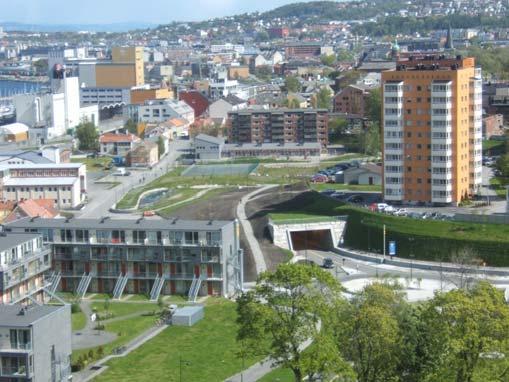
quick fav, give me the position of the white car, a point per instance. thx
(401, 212)
(389, 210)
(380, 207)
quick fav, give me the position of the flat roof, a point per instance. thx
(35, 181)
(11, 240)
(44, 165)
(271, 146)
(134, 224)
(10, 314)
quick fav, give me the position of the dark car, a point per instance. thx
(355, 199)
(328, 263)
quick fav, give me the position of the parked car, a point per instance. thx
(338, 194)
(319, 178)
(381, 206)
(401, 212)
(355, 199)
(328, 263)
(389, 210)
(328, 192)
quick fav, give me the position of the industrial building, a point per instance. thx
(142, 256)
(432, 130)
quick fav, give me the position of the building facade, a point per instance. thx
(30, 348)
(432, 130)
(65, 183)
(142, 256)
(23, 260)
(278, 126)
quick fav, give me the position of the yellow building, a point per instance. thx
(125, 70)
(432, 130)
(139, 96)
(236, 72)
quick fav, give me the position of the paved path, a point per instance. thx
(92, 371)
(198, 195)
(88, 337)
(259, 260)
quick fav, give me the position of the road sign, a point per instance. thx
(392, 248)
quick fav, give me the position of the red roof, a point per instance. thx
(43, 208)
(113, 138)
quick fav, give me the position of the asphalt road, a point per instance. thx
(101, 199)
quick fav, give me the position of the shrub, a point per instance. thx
(75, 307)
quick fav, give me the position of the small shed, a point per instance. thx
(188, 315)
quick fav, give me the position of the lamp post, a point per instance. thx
(182, 362)
(411, 255)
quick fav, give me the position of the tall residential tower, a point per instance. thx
(432, 130)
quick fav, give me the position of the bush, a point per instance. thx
(75, 308)
(99, 327)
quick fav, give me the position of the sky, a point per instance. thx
(120, 11)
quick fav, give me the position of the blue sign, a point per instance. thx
(392, 248)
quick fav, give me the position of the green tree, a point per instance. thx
(370, 139)
(337, 128)
(369, 332)
(285, 310)
(160, 146)
(373, 106)
(328, 60)
(131, 126)
(292, 84)
(323, 99)
(264, 72)
(41, 67)
(88, 136)
(262, 36)
(463, 325)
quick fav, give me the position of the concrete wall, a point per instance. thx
(281, 236)
(44, 338)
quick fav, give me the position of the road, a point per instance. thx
(100, 198)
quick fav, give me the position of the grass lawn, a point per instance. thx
(94, 164)
(98, 296)
(499, 184)
(209, 347)
(126, 330)
(119, 309)
(278, 375)
(78, 321)
(165, 212)
(138, 297)
(345, 157)
(349, 187)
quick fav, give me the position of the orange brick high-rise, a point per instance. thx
(432, 130)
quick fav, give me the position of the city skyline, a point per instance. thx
(155, 11)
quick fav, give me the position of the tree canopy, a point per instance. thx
(88, 136)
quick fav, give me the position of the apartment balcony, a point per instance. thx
(441, 93)
(441, 199)
(393, 117)
(393, 93)
(394, 162)
(441, 152)
(441, 117)
(442, 176)
(180, 276)
(20, 348)
(442, 187)
(441, 141)
(156, 257)
(106, 274)
(14, 372)
(143, 275)
(24, 259)
(392, 151)
(10, 280)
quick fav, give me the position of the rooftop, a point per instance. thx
(113, 138)
(14, 239)
(163, 224)
(54, 181)
(11, 316)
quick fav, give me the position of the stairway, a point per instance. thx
(157, 288)
(120, 286)
(83, 285)
(195, 288)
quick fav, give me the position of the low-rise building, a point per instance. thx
(156, 111)
(64, 183)
(207, 147)
(493, 126)
(23, 260)
(35, 343)
(117, 144)
(145, 155)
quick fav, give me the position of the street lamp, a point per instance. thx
(182, 362)
(411, 255)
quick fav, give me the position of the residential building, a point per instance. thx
(35, 343)
(432, 130)
(64, 183)
(145, 155)
(32, 208)
(272, 150)
(236, 72)
(304, 50)
(118, 144)
(278, 126)
(364, 174)
(219, 109)
(196, 100)
(352, 99)
(14, 132)
(493, 126)
(155, 111)
(143, 256)
(279, 32)
(23, 260)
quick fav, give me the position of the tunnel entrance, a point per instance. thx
(320, 240)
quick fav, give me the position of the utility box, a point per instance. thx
(188, 315)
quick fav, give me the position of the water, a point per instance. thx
(9, 88)
(153, 197)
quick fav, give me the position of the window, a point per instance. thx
(139, 236)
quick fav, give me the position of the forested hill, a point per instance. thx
(332, 10)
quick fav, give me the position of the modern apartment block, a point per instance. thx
(23, 261)
(35, 343)
(432, 130)
(278, 126)
(142, 256)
